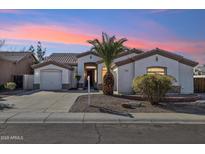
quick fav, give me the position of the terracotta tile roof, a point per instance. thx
(14, 56)
(86, 53)
(64, 58)
(130, 51)
(161, 52)
(67, 66)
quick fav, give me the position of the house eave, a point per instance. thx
(35, 66)
(87, 53)
(161, 52)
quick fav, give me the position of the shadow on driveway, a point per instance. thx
(17, 92)
(27, 92)
(1, 99)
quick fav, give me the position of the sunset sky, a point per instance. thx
(179, 31)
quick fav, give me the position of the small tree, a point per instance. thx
(31, 49)
(40, 51)
(2, 42)
(152, 86)
(78, 77)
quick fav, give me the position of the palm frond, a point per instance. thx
(108, 48)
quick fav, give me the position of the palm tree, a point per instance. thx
(108, 48)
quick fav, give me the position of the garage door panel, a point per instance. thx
(51, 80)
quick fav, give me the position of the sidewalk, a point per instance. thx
(64, 117)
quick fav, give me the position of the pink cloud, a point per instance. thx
(190, 48)
(47, 33)
(67, 35)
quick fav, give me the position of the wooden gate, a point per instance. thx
(199, 84)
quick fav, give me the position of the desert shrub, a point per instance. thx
(152, 86)
(10, 85)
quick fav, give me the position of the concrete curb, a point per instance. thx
(64, 117)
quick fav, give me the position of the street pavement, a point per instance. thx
(85, 133)
(43, 117)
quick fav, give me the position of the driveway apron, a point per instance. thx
(42, 101)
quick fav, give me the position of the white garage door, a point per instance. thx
(51, 80)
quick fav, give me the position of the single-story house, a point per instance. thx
(13, 65)
(58, 71)
(199, 70)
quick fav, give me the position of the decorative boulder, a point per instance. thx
(132, 105)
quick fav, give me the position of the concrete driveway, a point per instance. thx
(42, 101)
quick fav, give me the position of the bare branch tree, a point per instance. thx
(2, 42)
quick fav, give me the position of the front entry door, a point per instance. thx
(91, 73)
(90, 69)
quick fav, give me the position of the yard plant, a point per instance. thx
(152, 86)
(78, 77)
(108, 49)
(10, 85)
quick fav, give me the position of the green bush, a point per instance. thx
(152, 86)
(78, 77)
(10, 85)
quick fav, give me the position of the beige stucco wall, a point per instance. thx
(182, 73)
(100, 66)
(82, 61)
(73, 74)
(125, 75)
(171, 65)
(186, 78)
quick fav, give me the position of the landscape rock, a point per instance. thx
(132, 105)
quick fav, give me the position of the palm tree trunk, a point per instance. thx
(108, 83)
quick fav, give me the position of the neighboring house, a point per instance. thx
(59, 70)
(199, 79)
(199, 70)
(13, 65)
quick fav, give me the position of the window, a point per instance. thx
(156, 70)
(104, 70)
